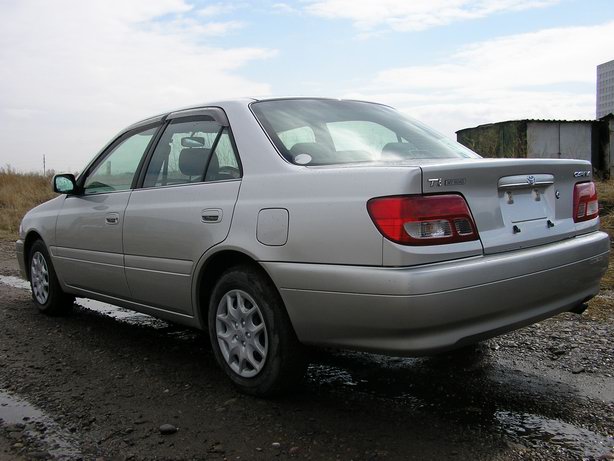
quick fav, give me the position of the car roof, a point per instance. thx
(246, 101)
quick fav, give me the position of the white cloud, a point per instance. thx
(545, 74)
(285, 8)
(195, 28)
(75, 72)
(413, 15)
(216, 9)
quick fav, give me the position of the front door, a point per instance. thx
(88, 252)
(185, 206)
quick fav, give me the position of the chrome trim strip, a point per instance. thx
(520, 185)
(525, 181)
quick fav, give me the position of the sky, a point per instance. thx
(73, 73)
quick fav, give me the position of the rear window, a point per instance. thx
(325, 132)
(296, 135)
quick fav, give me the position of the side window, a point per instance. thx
(185, 152)
(224, 163)
(117, 169)
(296, 136)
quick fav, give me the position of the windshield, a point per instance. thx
(324, 132)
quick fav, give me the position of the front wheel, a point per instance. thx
(46, 291)
(252, 338)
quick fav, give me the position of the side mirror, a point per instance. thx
(64, 184)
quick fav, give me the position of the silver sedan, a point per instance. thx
(275, 224)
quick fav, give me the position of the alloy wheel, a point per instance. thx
(39, 276)
(241, 333)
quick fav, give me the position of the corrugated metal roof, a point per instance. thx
(533, 120)
(557, 121)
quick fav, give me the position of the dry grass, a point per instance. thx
(607, 225)
(605, 191)
(20, 192)
(602, 306)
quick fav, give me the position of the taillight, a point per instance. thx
(423, 219)
(585, 204)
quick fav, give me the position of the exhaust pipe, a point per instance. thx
(579, 309)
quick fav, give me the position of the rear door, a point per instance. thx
(88, 254)
(185, 205)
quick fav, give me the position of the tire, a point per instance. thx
(46, 291)
(255, 345)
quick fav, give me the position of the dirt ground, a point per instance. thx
(96, 385)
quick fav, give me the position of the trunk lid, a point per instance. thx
(516, 203)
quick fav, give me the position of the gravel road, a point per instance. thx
(100, 384)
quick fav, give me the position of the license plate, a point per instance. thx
(524, 205)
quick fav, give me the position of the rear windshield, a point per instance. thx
(325, 132)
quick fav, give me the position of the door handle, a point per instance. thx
(211, 215)
(112, 218)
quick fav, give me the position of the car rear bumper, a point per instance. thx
(20, 258)
(425, 309)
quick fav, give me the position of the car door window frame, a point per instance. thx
(111, 147)
(233, 144)
(215, 114)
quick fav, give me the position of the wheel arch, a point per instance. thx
(210, 270)
(31, 237)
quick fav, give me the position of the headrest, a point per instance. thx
(318, 152)
(193, 160)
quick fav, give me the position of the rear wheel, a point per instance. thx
(252, 338)
(46, 291)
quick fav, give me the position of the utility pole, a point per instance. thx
(44, 166)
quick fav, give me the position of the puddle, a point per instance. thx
(413, 381)
(25, 418)
(452, 393)
(537, 430)
(120, 313)
(15, 282)
(325, 374)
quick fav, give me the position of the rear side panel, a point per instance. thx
(326, 209)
